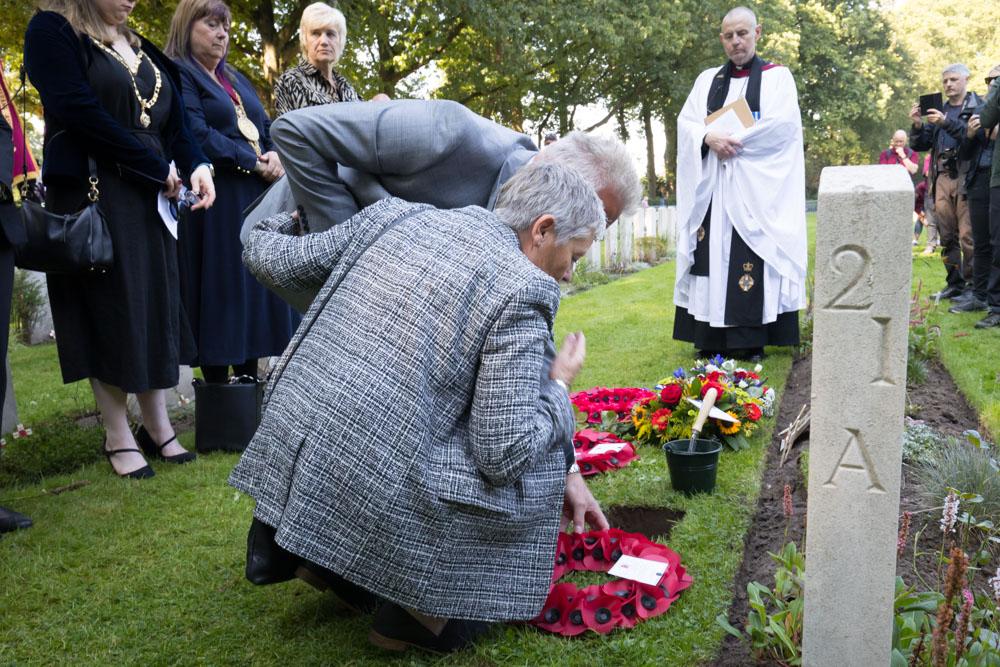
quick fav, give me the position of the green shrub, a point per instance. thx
(923, 343)
(651, 248)
(584, 276)
(966, 465)
(920, 443)
(27, 302)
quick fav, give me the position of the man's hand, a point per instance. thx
(579, 506)
(569, 361)
(935, 117)
(973, 126)
(918, 121)
(722, 145)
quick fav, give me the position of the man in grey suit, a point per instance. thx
(415, 452)
(340, 158)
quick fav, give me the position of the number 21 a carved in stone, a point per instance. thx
(854, 459)
(851, 262)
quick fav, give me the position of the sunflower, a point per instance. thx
(639, 414)
(730, 428)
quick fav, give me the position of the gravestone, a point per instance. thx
(861, 310)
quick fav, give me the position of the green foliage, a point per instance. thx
(966, 466)
(584, 276)
(921, 443)
(27, 303)
(923, 342)
(652, 249)
(774, 626)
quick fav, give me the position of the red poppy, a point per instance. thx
(752, 411)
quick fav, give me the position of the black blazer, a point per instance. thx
(76, 125)
(11, 229)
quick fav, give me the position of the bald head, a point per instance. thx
(899, 139)
(741, 12)
(739, 35)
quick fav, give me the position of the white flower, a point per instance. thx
(949, 515)
(995, 583)
(758, 368)
(711, 368)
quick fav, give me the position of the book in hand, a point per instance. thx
(931, 101)
(732, 118)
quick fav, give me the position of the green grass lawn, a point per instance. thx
(152, 572)
(971, 355)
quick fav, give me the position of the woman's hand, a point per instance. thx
(269, 167)
(202, 183)
(172, 186)
(580, 507)
(569, 361)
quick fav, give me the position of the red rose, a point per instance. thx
(752, 411)
(712, 385)
(671, 394)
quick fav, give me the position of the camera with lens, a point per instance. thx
(948, 161)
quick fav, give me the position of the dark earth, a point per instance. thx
(937, 402)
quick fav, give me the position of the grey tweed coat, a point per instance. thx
(413, 442)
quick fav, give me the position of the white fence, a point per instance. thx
(645, 236)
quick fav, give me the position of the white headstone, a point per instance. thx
(861, 309)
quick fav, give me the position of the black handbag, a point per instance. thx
(226, 415)
(267, 563)
(66, 243)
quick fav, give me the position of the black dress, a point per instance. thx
(125, 327)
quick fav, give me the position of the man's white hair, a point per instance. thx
(558, 190)
(957, 68)
(603, 161)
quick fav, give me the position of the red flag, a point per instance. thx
(24, 163)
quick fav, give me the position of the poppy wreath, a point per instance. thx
(620, 400)
(598, 451)
(620, 603)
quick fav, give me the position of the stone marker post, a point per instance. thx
(861, 309)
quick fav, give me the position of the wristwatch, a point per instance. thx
(573, 468)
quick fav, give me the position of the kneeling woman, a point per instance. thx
(416, 445)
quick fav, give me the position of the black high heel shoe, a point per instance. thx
(144, 472)
(150, 448)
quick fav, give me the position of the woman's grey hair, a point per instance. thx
(603, 161)
(322, 15)
(542, 188)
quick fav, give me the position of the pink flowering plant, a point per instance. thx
(664, 413)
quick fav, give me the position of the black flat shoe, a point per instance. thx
(353, 597)
(11, 520)
(150, 448)
(395, 629)
(991, 320)
(144, 472)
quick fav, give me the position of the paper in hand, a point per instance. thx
(734, 117)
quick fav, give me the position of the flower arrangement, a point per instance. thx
(666, 413)
(598, 451)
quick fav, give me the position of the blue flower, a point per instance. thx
(679, 374)
(717, 360)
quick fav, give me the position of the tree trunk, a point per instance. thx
(669, 156)
(647, 127)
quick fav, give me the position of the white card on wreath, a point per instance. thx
(607, 447)
(643, 570)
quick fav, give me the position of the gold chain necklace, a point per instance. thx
(144, 104)
(245, 125)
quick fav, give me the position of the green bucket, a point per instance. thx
(693, 471)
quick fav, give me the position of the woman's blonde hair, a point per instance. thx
(320, 15)
(187, 12)
(85, 19)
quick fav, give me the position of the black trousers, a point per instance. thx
(979, 216)
(993, 281)
(220, 374)
(6, 287)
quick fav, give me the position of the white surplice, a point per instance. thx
(760, 193)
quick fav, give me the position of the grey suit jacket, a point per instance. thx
(411, 439)
(339, 158)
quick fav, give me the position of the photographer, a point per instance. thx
(989, 117)
(977, 150)
(942, 134)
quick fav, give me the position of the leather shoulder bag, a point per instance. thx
(66, 243)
